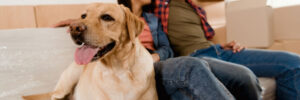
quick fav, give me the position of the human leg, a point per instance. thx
(188, 78)
(238, 79)
(284, 66)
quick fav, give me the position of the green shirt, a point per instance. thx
(185, 29)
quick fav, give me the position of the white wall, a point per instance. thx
(43, 2)
(282, 3)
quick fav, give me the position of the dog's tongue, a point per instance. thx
(85, 54)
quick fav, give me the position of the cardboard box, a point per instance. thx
(215, 11)
(17, 17)
(249, 22)
(48, 15)
(286, 22)
(40, 13)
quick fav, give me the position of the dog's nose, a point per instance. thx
(76, 30)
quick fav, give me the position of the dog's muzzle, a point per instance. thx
(77, 29)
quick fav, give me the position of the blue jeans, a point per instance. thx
(190, 78)
(283, 66)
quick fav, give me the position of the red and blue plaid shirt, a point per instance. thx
(162, 12)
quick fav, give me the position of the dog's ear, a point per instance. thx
(134, 24)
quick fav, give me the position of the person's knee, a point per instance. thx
(191, 66)
(190, 62)
(180, 68)
(288, 59)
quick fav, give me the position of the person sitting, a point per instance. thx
(190, 34)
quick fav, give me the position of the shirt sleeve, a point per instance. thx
(163, 49)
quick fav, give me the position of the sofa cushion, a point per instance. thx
(269, 88)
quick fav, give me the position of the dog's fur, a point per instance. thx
(124, 73)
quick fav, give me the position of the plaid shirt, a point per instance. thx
(162, 12)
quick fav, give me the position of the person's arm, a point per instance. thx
(64, 23)
(163, 50)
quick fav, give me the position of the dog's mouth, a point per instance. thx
(104, 50)
(87, 53)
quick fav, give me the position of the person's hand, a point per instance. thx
(234, 46)
(155, 57)
(63, 23)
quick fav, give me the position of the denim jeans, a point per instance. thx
(191, 78)
(283, 66)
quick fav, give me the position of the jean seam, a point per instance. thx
(286, 66)
(218, 51)
(270, 64)
(171, 82)
(298, 92)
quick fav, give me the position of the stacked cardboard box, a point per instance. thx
(249, 22)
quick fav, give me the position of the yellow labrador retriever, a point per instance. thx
(111, 63)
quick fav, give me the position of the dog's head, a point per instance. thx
(102, 29)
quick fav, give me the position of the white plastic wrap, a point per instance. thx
(31, 60)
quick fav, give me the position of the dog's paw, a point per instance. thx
(25, 98)
(57, 96)
(45, 96)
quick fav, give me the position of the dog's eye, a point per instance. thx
(106, 17)
(83, 16)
